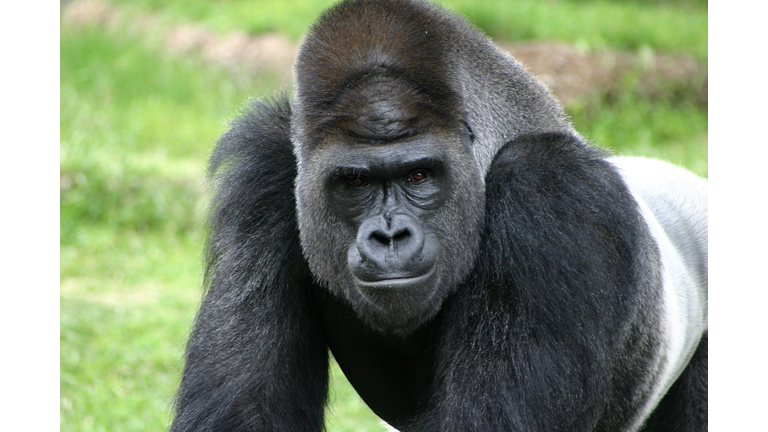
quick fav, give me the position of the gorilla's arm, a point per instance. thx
(556, 295)
(257, 358)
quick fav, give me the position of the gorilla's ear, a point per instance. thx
(459, 74)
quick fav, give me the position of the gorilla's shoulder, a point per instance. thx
(260, 133)
(252, 170)
(554, 166)
(552, 194)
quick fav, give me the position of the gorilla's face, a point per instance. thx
(392, 227)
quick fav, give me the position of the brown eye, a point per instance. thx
(357, 182)
(417, 176)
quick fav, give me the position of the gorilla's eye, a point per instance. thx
(357, 182)
(417, 176)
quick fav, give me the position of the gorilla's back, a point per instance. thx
(673, 202)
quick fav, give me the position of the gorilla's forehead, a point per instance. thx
(424, 150)
(384, 104)
(382, 108)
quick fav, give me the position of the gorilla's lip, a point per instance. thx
(396, 283)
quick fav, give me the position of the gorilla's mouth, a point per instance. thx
(398, 283)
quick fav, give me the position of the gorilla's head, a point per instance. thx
(390, 197)
(390, 203)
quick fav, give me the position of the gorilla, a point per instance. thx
(424, 210)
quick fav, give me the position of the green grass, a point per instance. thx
(629, 123)
(675, 26)
(288, 17)
(595, 25)
(136, 129)
(137, 125)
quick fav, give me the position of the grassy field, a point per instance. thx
(138, 123)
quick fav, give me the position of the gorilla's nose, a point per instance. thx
(394, 240)
(391, 247)
(396, 237)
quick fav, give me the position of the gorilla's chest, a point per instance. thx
(392, 374)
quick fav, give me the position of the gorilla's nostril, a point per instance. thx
(380, 238)
(401, 235)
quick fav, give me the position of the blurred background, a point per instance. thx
(147, 86)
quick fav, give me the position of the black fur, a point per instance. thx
(256, 344)
(684, 408)
(563, 261)
(512, 284)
